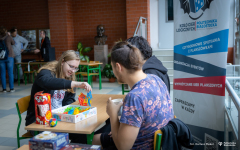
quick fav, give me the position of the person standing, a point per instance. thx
(7, 39)
(45, 43)
(17, 48)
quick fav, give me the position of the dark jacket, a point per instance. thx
(175, 135)
(46, 44)
(155, 66)
(47, 82)
(9, 42)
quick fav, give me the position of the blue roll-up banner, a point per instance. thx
(200, 56)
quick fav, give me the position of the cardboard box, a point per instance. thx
(58, 114)
(42, 107)
(48, 141)
(81, 147)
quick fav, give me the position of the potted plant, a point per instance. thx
(108, 72)
(82, 50)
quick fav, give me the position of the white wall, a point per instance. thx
(154, 23)
(161, 32)
(231, 24)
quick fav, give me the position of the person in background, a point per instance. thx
(45, 43)
(7, 63)
(58, 79)
(146, 108)
(151, 65)
(18, 49)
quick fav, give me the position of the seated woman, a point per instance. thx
(146, 108)
(58, 79)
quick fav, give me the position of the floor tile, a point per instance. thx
(7, 148)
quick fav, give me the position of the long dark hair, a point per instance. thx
(127, 55)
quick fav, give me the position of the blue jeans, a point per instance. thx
(9, 64)
(18, 59)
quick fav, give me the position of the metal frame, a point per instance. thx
(139, 26)
(236, 102)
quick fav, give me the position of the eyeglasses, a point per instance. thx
(72, 67)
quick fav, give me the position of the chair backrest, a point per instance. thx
(158, 135)
(23, 103)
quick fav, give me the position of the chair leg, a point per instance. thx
(91, 80)
(25, 79)
(81, 78)
(122, 89)
(100, 78)
(29, 79)
(33, 78)
(18, 141)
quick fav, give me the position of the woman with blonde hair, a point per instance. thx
(58, 79)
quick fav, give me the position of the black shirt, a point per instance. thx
(47, 82)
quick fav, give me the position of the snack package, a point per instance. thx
(42, 108)
(48, 141)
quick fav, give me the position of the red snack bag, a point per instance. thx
(42, 107)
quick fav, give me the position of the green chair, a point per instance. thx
(29, 73)
(22, 106)
(158, 138)
(79, 75)
(123, 89)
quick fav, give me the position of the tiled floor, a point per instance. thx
(9, 118)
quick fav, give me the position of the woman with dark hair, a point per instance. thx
(146, 108)
(9, 63)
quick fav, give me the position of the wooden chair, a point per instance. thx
(22, 106)
(158, 138)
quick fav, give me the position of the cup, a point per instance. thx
(117, 101)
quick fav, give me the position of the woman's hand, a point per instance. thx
(82, 85)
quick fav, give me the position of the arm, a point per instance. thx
(124, 133)
(9, 41)
(47, 81)
(24, 41)
(12, 41)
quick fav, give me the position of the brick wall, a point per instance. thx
(58, 25)
(24, 14)
(136, 9)
(71, 21)
(88, 14)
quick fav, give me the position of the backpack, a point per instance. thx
(3, 50)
